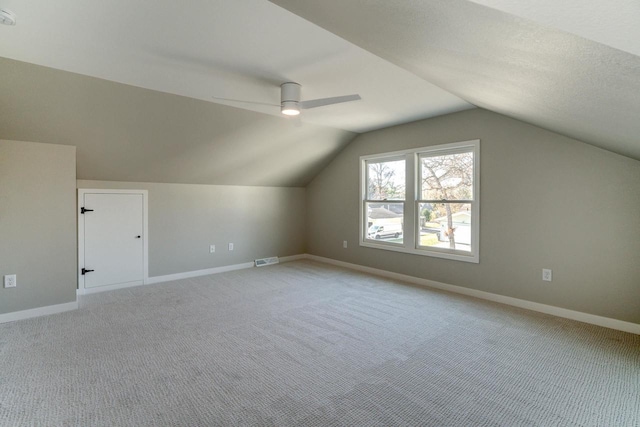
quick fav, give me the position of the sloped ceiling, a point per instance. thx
(221, 48)
(125, 133)
(201, 50)
(571, 67)
(612, 23)
(131, 84)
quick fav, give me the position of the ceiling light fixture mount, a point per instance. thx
(7, 17)
(289, 98)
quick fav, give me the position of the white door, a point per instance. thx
(113, 240)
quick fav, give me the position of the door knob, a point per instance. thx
(137, 237)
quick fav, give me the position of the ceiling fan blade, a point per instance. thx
(245, 102)
(313, 103)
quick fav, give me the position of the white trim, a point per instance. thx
(81, 290)
(412, 177)
(293, 258)
(393, 155)
(88, 291)
(579, 316)
(184, 275)
(197, 273)
(37, 312)
(593, 319)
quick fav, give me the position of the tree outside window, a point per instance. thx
(447, 181)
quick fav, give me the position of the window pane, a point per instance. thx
(386, 180)
(445, 225)
(448, 177)
(385, 222)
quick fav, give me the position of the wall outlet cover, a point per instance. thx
(212, 249)
(546, 275)
(230, 246)
(10, 281)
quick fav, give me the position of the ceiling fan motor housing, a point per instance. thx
(290, 92)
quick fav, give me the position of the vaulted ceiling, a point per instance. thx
(132, 84)
(571, 66)
(221, 48)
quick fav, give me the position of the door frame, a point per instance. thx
(145, 241)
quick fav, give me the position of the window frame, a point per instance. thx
(392, 157)
(411, 228)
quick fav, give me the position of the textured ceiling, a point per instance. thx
(614, 22)
(225, 48)
(521, 67)
(125, 133)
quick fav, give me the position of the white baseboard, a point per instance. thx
(593, 319)
(215, 270)
(293, 257)
(37, 312)
(60, 308)
(184, 275)
(196, 273)
(88, 291)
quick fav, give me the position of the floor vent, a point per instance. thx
(267, 261)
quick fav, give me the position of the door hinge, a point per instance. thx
(85, 271)
(83, 210)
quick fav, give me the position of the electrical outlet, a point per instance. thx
(230, 246)
(344, 244)
(10, 281)
(546, 275)
(212, 249)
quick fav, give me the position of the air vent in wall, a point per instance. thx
(267, 261)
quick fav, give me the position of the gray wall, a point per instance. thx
(184, 219)
(37, 224)
(547, 201)
(126, 133)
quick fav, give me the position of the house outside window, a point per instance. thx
(423, 201)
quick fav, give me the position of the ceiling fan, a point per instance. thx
(290, 103)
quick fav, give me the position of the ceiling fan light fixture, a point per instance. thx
(290, 108)
(290, 103)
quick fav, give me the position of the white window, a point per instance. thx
(423, 201)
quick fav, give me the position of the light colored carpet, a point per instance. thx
(308, 344)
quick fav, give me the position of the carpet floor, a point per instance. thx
(308, 344)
